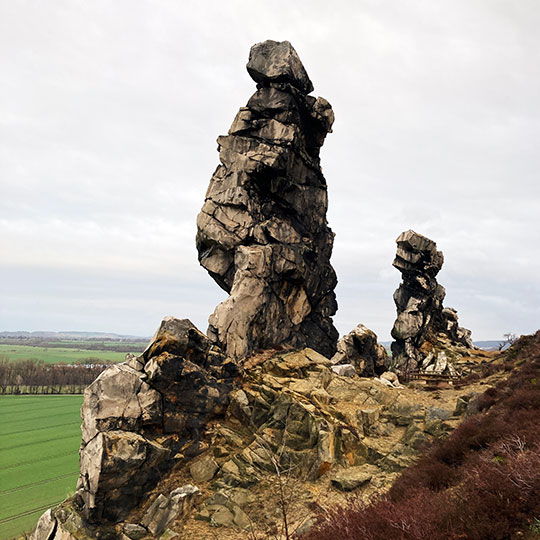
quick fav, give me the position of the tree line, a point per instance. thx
(36, 377)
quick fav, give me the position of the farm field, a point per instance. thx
(54, 355)
(39, 441)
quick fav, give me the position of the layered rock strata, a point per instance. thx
(423, 326)
(262, 232)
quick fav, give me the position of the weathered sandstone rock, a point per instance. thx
(262, 232)
(361, 349)
(45, 527)
(116, 469)
(354, 477)
(138, 414)
(119, 399)
(289, 412)
(421, 318)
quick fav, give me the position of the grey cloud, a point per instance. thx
(109, 112)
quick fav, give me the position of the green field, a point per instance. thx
(140, 345)
(54, 355)
(39, 441)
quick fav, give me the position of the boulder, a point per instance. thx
(262, 232)
(45, 528)
(391, 377)
(192, 393)
(274, 61)
(224, 508)
(119, 399)
(203, 469)
(360, 348)
(135, 531)
(116, 469)
(179, 337)
(354, 477)
(345, 370)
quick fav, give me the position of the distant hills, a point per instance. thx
(489, 345)
(71, 335)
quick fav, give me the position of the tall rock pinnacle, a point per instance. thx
(423, 328)
(262, 232)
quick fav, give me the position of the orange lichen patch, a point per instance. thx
(324, 467)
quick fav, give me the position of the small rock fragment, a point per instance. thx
(345, 370)
(203, 469)
(354, 477)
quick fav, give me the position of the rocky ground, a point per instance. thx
(372, 432)
(297, 434)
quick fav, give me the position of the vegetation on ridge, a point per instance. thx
(480, 483)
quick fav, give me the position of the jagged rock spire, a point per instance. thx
(262, 232)
(419, 299)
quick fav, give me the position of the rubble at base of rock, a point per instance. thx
(262, 232)
(423, 328)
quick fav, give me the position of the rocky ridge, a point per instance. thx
(262, 232)
(426, 334)
(288, 414)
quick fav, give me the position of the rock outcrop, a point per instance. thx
(289, 422)
(289, 413)
(423, 326)
(140, 417)
(361, 349)
(262, 232)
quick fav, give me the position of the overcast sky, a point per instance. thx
(109, 113)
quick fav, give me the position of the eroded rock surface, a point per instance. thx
(262, 232)
(423, 326)
(289, 413)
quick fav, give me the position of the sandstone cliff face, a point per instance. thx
(422, 323)
(262, 232)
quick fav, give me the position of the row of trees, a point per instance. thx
(36, 377)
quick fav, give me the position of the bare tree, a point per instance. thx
(509, 340)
